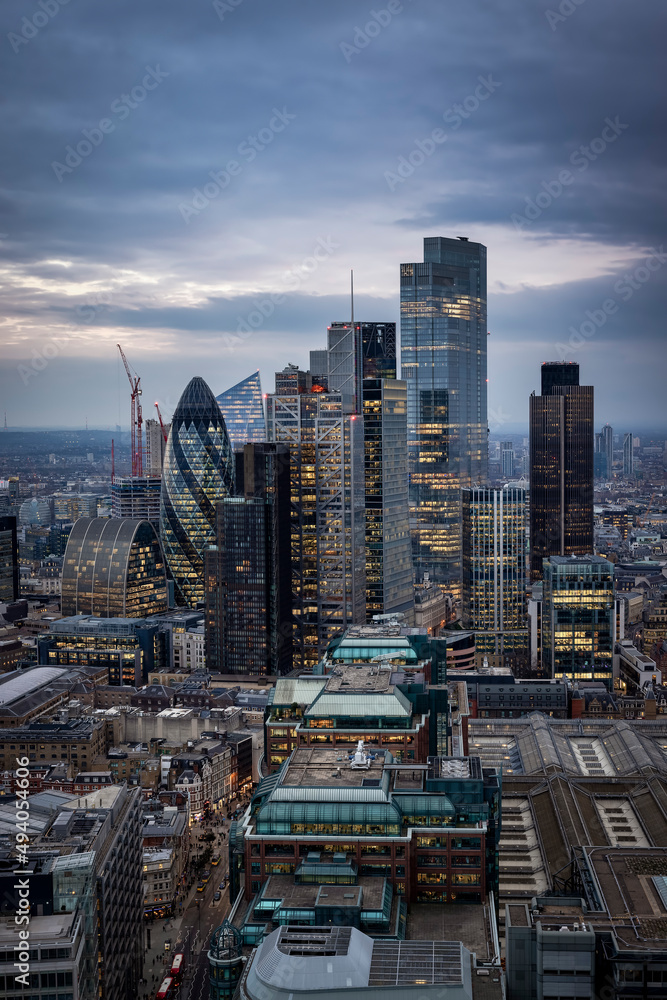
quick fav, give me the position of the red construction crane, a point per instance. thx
(136, 434)
(159, 416)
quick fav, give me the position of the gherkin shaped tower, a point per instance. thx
(198, 473)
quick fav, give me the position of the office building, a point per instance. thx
(113, 568)
(242, 407)
(507, 459)
(78, 742)
(578, 618)
(494, 567)
(561, 466)
(606, 446)
(71, 506)
(326, 445)
(628, 456)
(389, 573)
(325, 961)
(443, 361)
(9, 560)
(137, 496)
(354, 702)
(604, 936)
(156, 444)
(36, 511)
(249, 571)
(128, 649)
(292, 381)
(198, 473)
(431, 831)
(360, 365)
(355, 351)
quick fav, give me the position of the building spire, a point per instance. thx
(352, 298)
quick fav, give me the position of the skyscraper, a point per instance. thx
(198, 473)
(326, 444)
(443, 360)
(360, 364)
(249, 572)
(561, 466)
(507, 459)
(389, 573)
(578, 618)
(494, 567)
(155, 446)
(628, 455)
(137, 497)
(607, 447)
(243, 409)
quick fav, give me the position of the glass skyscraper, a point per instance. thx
(494, 567)
(326, 445)
(443, 361)
(249, 572)
(198, 473)
(243, 409)
(389, 574)
(578, 618)
(113, 568)
(9, 560)
(561, 466)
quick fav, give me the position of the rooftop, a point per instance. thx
(317, 766)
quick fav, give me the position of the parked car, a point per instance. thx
(217, 896)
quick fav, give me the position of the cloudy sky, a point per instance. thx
(195, 179)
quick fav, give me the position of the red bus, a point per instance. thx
(176, 970)
(165, 991)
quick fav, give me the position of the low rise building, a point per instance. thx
(430, 829)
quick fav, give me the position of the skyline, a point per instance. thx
(366, 142)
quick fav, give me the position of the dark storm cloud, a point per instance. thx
(110, 231)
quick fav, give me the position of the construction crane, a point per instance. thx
(159, 416)
(136, 434)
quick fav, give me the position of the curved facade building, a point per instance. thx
(35, 512)
(113, 568)
(197, 474)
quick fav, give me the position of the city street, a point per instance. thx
(189, 930)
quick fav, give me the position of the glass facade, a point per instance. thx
(578, 618)
(326, 515)
(113, 568)
(198, 473)
(443, 360)
(243, 410)
(561, 466)
(494, 560)
(389, 576)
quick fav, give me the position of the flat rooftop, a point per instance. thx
(634, 887)
(318, 766)
(307, 895)
(365, 677)
(454, 922)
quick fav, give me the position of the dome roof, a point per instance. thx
(196, 402)
(226, 943)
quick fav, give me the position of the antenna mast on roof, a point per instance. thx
(352, 298)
